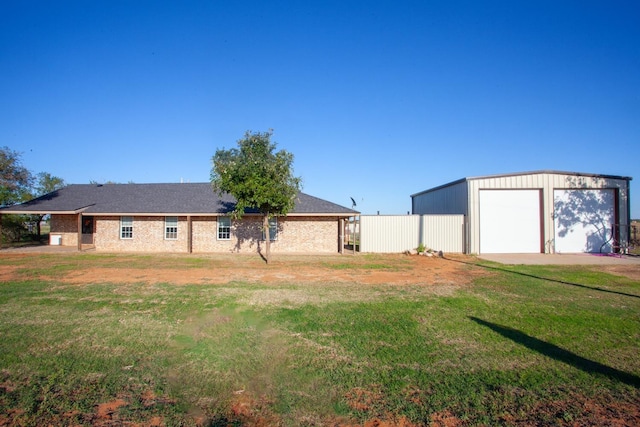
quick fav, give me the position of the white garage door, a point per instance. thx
(510, 221)
(583, 220)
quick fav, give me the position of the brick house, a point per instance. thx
(180, 218)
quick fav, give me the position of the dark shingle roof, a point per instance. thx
(190, 198)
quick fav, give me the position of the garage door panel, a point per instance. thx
(510, 221)
(583, 220)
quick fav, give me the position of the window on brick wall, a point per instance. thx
(224, 228)
(171, 227)
(126, 227)
(273, 229)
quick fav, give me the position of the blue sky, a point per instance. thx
(376, 100)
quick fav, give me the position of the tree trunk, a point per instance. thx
(267, 235)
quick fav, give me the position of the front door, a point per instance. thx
(87, 230)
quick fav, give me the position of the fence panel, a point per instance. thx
(399, 233)
(389, 233)
(444, 232)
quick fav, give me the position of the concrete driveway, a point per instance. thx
(563, 259)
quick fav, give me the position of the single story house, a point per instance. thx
(185, 217)
(536, 212)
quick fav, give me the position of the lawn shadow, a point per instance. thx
(563, 282)
(560, 354)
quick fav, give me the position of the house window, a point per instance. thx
(171, 228)
(273, 229)
(224, 228)
(126, 227)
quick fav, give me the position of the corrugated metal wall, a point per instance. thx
(451, 199)
(399, 233)
(444, 232)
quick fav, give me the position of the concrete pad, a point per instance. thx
(44, 249)
(563, 259)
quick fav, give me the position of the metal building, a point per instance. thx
(536, 212)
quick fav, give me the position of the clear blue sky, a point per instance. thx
(377, 100)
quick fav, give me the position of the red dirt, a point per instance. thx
(106, 410)
(411, 270)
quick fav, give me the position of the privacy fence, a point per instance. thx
(400, 233)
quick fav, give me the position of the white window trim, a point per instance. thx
(218, 228)
(126, 221)
(168, 225)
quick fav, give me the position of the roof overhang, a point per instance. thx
(161, 214)
(39, 212)
(205, 214)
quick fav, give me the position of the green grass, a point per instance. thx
(535, 345)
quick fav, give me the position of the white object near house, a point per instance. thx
(536, 212)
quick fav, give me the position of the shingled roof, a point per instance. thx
(155, 199)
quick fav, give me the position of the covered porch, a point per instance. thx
(79, 228)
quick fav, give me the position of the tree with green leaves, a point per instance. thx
(45, 184)
(17, 185)
(258, 178)
(15, 179)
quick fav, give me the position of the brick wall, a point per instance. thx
(312, 234)
(309, 234)
(148, 235)
(65, 226)
(295, 234)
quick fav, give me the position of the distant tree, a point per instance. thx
(15, 179)
(258, 178)
(94, 182)
(45, 184)
(15, 184)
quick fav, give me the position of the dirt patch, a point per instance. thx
(392, 270)
(105, 411)
(107, 414)
(630, 271)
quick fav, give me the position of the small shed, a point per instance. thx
(536, 212)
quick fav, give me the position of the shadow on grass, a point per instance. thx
(563, 282)
(560, 354)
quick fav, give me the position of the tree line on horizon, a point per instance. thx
(18, 185)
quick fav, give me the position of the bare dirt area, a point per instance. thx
(630, 271)
(390, 270)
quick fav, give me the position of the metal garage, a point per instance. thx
(536, 212)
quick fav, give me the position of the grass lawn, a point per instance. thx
(520, 345)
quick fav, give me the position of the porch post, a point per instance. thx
(80, 231)
(189, 243)
(340, 235)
